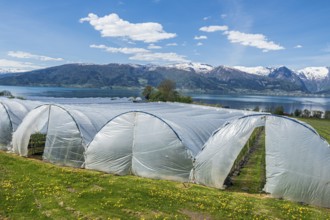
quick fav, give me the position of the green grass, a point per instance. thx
(252, 176)
(321, 125)
(32, 189)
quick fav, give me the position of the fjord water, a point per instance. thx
(290, 103)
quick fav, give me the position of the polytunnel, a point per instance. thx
(68, 130)
(156, 143)
(297, 158)
(12, 112)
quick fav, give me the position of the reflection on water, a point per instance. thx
(233, 101)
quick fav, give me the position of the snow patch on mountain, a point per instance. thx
(314, 73)
(258, 70)
(197, 67)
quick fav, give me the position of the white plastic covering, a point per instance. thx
(297, 158)
(214, 163)
(68, 130)
(141, 144)
(297, 162)
(158, 142)
(12, 112)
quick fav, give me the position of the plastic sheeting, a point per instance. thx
(159, 142)
(141, 144)
(68, 130)
(297, 158)
(5, 128)
(213, 164)
(297, 162)
(12, 112)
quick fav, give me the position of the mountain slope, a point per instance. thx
(190, 76)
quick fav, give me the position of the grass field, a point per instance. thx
(32, 189)
(253, 175)
(322, 126)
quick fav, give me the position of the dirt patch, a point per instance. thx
(72, 190)
(196, 215)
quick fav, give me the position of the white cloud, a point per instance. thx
(153, 46)
(113, 26)
(223, 15)
(199, 44)
(26, 55)
(214, 28)
(253, 40)
(142, 54)
(202, 37)
(168, 57)
(298, 46)
(18, 66)
(206, 18)
(172, 44)
(124, 50)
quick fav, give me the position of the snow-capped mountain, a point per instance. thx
(314, 73)
(188, 76)
(258, 70)
(197, 67)
(316, 79)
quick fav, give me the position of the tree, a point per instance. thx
(317, 114)
(279, 110)
(256, 109)
(306, 113)
(327, 115)
(147, 92)
(297, 112)
(165, 92)
(167, 88)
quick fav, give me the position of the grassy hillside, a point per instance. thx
(32, 189)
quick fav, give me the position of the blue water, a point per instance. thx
(69, 92)
(290, 103)
(231, 101)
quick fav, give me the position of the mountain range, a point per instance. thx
(188, 77)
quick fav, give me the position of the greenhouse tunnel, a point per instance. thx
(141, 144)
(12, 112)
(297, 158)
(68, 130)
(156, 143)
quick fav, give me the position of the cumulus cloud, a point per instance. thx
(172, 44)
(298, 46)
(214, 28)
(202, 37)
(253, 40)
(142, 54)
(199, 44)
(168, 57)
(113, 26)
(153, 47)
(206, 18)
(124, 50)
(26, 55)
(17, 66)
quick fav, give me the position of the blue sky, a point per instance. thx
(37, 33)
